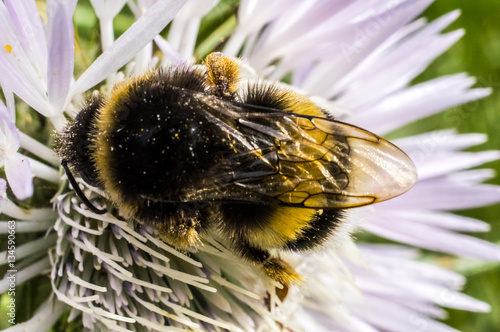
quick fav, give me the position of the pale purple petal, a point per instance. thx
(3, 193)
(445, 194)
(304, 72)
(432, 238)
(398, 288)
(354, 47)
(147, 3)
(401, 262)
(293, 20)
(168, 51)
(8, 128)
(343, 45)
(129, 43)
(17, 56)
(437, 219)
(473, 177)
(442, 140)
(10, 101)
(461, 301)
(254, 14)
(447, 163)
(393, 251)
(400, 58)
(417, 102)
(11, 79)
(399, 293)
(372, 88)
(19, 176)
(388, 316)
(61, 52)
(29, 29)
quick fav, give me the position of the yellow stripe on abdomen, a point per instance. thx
(285, 224)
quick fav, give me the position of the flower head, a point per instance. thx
(355, 59)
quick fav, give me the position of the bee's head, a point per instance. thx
(74, 144)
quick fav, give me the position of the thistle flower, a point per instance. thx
(356, 59)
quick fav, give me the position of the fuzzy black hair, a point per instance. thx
(73, 144)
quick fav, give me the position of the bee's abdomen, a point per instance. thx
(278, 227)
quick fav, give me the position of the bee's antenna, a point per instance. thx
(79, 192)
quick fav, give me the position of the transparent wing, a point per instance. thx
(291, 159)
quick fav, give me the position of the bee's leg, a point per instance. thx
(182, 232)
(274, 267)
(223, 75)
(178, 224)
(254, 227)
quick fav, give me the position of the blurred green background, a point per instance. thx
(477, 53)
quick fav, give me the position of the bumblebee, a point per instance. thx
(187, 149)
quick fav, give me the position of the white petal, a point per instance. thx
(402, 266)
(61, 52)
(446, 194)
(431, 238)
(28, 24)
(19, 176)
(388, 316)
(419, 101)
(352, 44)
(184, 28)
(400, 59)
(3, 193)
(442, 140)
(398, 67)
(128, 44)
(169, 53)
(9, 129)
(107, 9)
(447, 163)
(471, 177)
(437, 219)
(25, 89)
